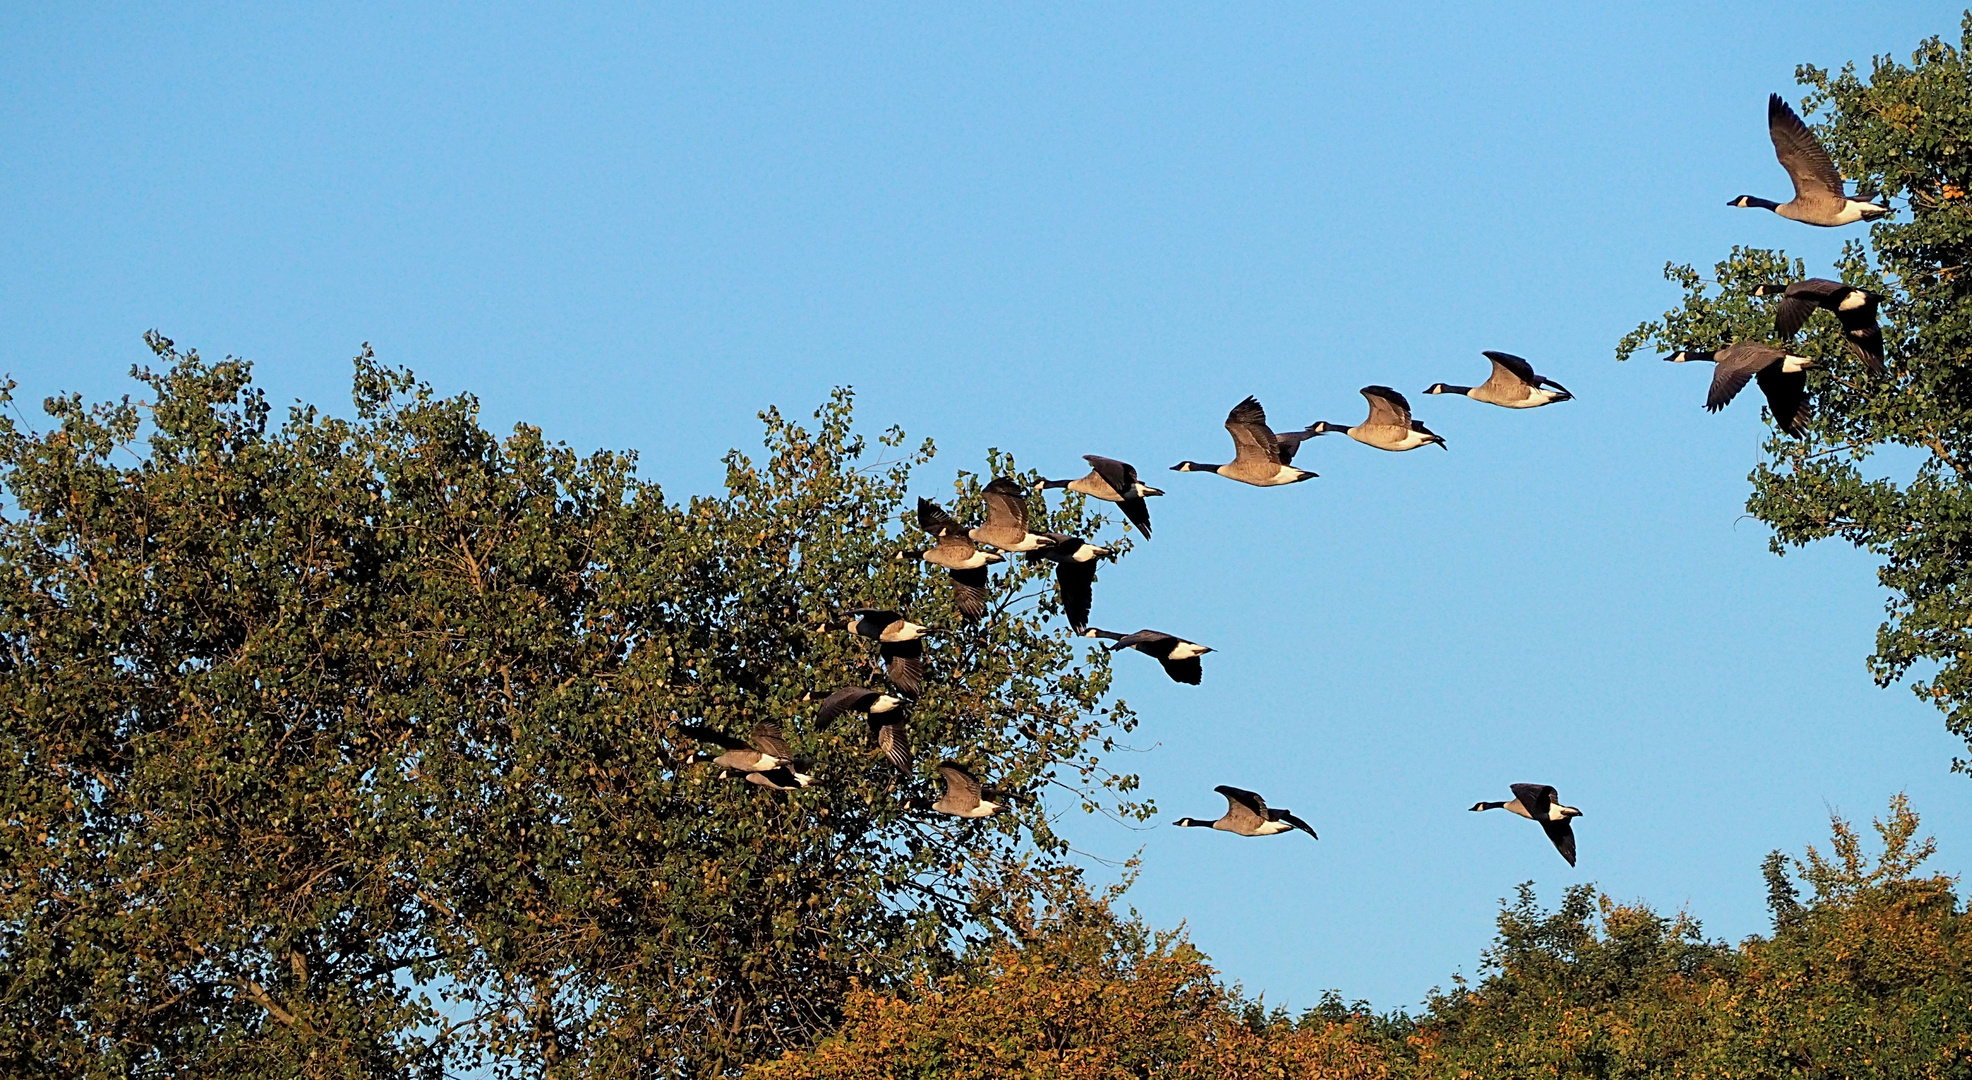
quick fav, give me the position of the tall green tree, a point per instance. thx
(351, 747)
(1869, 975)
(1904, 131)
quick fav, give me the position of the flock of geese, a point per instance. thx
(1263, 457)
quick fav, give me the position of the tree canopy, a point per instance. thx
(1869, 975)
(346, 747)
(1901, 132)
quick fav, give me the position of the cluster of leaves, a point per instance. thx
(1084, 995)
(1905, 132)
(350, 747)
(1870, 976)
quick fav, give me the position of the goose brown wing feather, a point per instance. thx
(767, 738)
(1242, 805)
(1075, 581)
(847, 699)
(1737, 364)
(969, 592)
(958, 778)
(1800, 153)
(1006, 504)
(1138, 512)
(933, 519)
(890, 739)
(1119, 475)
(1252, 439)
(1787, 396)
(904, 669)
(1536, 798)
(1511, 370)
(1563, 835)
(1188, 671)
(1387, 407)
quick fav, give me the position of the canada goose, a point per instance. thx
(1247, 815)
(1006, 518)
(1113, 481)
(1389, 426)
(960, 557)
(963, 797)
(1855, 308)
(766, 753)
(884, 713)
(900, 643)
(1818, 197)
(1260, 457)
(1179, 657)
(1074, 574)
(1783, 378)
(1513, 385)
(1539, 802)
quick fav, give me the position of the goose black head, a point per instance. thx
(1753, 202)
(1439, 388)
(1190, 466)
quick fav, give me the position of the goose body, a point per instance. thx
(964, 797)
(1389, 426)
(1782, 377)
(1006, 518)
(1247, 814)
(886, 716)
(1074, 574)
(1512, 385)
(1818, 188)
(1854, 308)
(768, 752)
(1540, 802)
(900, 644)
(1178, 656)
(1113, 481)
(1260, 457)
(960, 557)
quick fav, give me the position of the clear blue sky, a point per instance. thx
(1063, 233)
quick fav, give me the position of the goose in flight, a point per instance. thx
(1540, 802)
(1260, 457)
(1389, 426)
(768, 752)
(1818, 197)
(1113, 481)
(885, 714)
(964, 797)
(900, 644)
(1783, 378)
(1006, 518)
(1855, 308)
(1179, 657)
(1074, 562)
(1247, 814)
(960, 557)
(1513, 385)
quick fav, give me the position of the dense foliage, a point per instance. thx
(348, 748)
(1869, 976)
(1906, 132)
